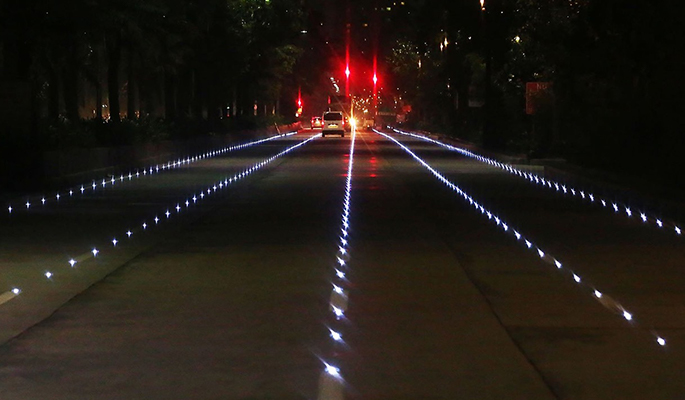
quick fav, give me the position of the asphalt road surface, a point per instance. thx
(287, 278)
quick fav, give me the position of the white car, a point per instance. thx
(333, 122)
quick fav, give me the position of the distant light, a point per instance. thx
(661, 341)
(48, 274)
(628, 316)
(598, 294)
(95, 252)
(16, 291)
(72, 262)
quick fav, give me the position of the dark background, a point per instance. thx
(87, 73)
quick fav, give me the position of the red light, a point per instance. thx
(375, 79)
(347, 72)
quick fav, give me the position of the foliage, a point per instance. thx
(172, 59)
(615, 66)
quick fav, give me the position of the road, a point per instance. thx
(234, 295)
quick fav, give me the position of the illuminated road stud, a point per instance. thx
(338, 312)
(332, 371)
(336, 336)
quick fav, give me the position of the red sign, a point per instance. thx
(534, 92)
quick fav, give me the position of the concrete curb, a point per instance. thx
(643, 188)
(75, 166)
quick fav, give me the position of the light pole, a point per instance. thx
(487, 122)
(375, 88)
